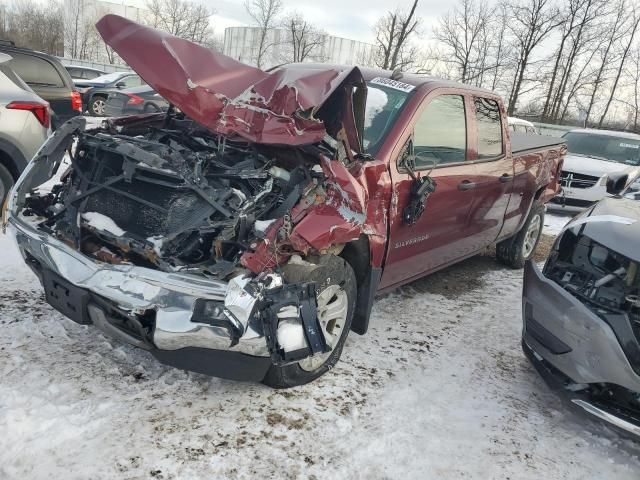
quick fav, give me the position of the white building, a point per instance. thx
(241, 44)
(81, 15)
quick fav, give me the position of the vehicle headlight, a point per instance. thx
(604, 180)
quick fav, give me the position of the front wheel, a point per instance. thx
(336, 302)
(515, 251)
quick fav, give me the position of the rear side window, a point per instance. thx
(132, 81)
(35, 70)
(90, 74)
(489, 128)
(11, 75)
(440, 134)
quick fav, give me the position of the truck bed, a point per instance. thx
(524, 142)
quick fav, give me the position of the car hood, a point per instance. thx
(593, 166)
(290, 105)
(613, 222)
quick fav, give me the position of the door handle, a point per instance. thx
(506, 178)
(466, 185)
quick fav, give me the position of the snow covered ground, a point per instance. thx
(438, 388)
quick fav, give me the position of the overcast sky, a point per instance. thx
(344, 18)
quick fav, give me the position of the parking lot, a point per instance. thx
(438, 388)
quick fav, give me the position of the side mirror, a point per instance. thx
(616, 183)
(120, 85)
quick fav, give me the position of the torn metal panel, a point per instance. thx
(293, 106)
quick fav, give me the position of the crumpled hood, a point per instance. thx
(593, 166)
(291, 105)
(615, 223)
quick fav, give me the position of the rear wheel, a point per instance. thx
(96, 106)
(336, 302)
(515, 251)
(6, 182)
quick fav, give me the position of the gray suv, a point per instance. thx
(25, 123)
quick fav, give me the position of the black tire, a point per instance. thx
(512, 251)
(293, 375)
(95, 103)
(6, 182)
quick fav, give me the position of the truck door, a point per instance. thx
(439, 237)
(494, 172)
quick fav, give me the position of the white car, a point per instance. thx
(594, 155)
(522, 126)
(25, 123)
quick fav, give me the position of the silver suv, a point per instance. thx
(25, 123)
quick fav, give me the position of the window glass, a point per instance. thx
(35, 70)
(91, 74)
(440, 134)
(11, 75)
(132, 81)
(489, 128)
(625, 149)
(382, 107)
(520, 128)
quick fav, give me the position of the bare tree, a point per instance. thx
(635, 22)
(33, 25)
(305, 41)
(569, 21)
(265, 15)
(634, 77)
(530, 22)
(393, 32)
(613, 29)
(182, 18)
(463, 33)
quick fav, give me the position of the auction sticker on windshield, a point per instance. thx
(387, 82)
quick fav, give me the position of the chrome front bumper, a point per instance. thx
(172, 296)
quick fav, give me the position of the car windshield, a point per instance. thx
(383, 106)
(604, 147)
(108, 78)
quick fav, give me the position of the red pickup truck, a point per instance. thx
(246, 233)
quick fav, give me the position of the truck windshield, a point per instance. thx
(383, 106)
(604, 147)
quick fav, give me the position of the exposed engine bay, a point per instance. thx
(601, 278)
(166, 193)
(605, 281)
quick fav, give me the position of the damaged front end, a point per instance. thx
(582, 314)
(183, 242)
(210, 235)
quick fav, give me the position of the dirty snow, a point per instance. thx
(438, 388)
(555, 222)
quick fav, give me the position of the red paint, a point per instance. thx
(299, 104)
(229, 97)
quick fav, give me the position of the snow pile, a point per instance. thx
(555, 222)
(438, 388)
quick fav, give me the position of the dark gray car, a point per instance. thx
(582, 311)
(132, 101)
